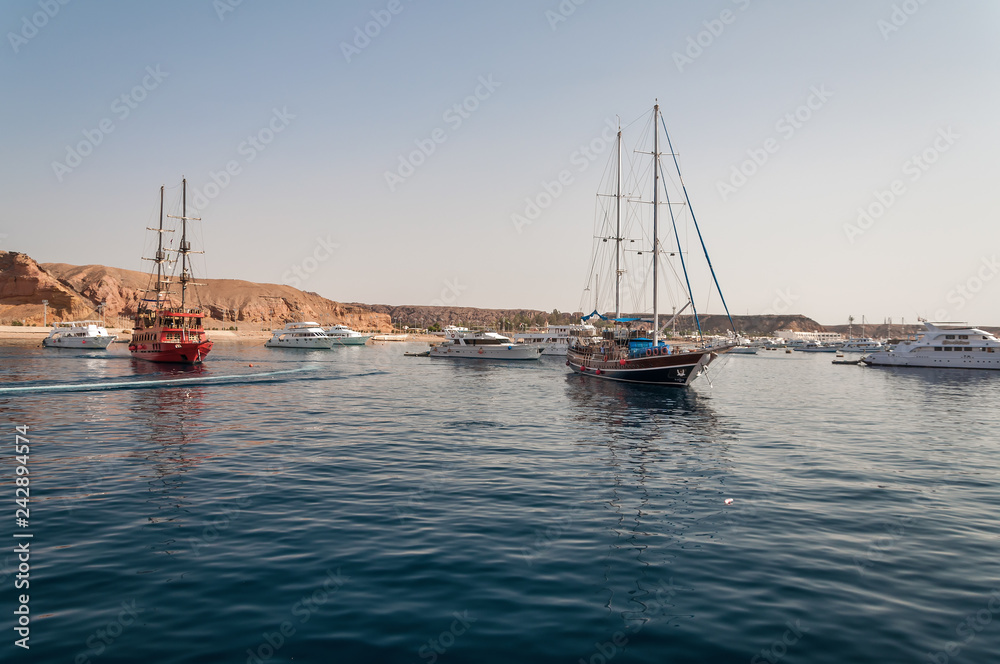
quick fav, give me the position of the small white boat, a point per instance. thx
(389, 337)
(556, 339)
(484, 346)
(864, 345)
(816, 347)
(743, 350)
(956, 346)
(345, 336)
(300, 335)
(79, 334)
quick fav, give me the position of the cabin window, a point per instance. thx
(963, 336)
(937, 347)
(949, 336)
(947, 347)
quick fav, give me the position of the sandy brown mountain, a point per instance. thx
(74, 292)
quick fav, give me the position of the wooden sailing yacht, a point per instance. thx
(626, 352)
(165, 331)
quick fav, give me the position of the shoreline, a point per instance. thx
(37, 332)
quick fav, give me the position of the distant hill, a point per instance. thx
(74, 292)
(512, 319)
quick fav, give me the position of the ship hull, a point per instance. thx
(173, 353)
(969, 361)
(92, 343)
(677, 370)
(501, 352)
(350, 341)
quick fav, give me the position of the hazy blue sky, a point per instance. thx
(310, 118)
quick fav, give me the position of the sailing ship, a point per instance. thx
(632, 349)
(165, 329)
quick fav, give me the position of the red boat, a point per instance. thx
(164, 331)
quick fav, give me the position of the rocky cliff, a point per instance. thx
(74, 292)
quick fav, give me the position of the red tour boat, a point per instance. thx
(165, 331)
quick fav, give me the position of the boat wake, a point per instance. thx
(230, 379)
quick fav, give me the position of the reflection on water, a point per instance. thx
(664, 454)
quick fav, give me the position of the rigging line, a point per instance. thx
(687, 280)
(697, 228)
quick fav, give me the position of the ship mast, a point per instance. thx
(618, 231)
(160, 257)
(185, 247)
(656, 240)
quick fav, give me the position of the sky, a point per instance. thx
(840, 157)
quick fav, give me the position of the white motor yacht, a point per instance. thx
(484, 346)
(556, 339)
(345, 336)
(864, 345)
(951, 345)
(79, 334)
(300, 335)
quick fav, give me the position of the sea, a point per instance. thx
(360, 505)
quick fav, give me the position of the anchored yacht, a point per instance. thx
(556, 339)
(79, 334)
(950, 345)
(345, 336)
(865, 345)
(483, 346)
(300, 335)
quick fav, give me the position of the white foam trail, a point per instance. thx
(140, 384)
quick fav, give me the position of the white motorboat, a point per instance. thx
(345, 336)
(556, 339)
(390, 337)
(864, 345)
(816, 347)
(484, 346)
(950, 345)
(743, 350)
(79, 334)
(300, 335)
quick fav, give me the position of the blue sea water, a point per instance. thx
(357, 505)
